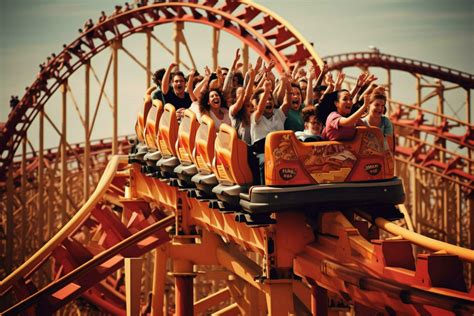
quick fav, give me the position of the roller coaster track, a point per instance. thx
(335, 254)
(264, 31)
(129, 214)
(377, 59)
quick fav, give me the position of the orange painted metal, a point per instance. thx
(291, 162)
(168, 131)
(231, 162)
(151, 127)
(187, 137)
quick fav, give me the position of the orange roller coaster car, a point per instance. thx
(325, 174)
(313, 176)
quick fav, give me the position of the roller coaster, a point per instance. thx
(323, 236)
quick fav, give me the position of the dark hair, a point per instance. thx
(309, 111)
(257, 93)
(158, 76)
(177, 73)
(319, 88)
(382, 97)
(374, 97)
(328, 105)
(240, 78)
(204, 106)
(295, 85)
(213, 76)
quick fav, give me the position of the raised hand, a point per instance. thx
(328, 79)
(361, 79)
(311, 74)
(267, 85)
(259, 64)
(270, 66)
(207, 71)
(236, 59)
(340, 79)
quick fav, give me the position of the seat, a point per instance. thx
(233, 172)
(203, 154)
(167, 136)
(325, 174)
(184, 149)
(151, 133)
(140, 149)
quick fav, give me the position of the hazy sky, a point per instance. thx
(436, 31)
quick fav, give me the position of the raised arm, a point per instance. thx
(228, 82)
(203, 83)
(245, 95)
(321, 75)
(220, 77)
(340, 80)
(309, 90)
(189, 86)
(329, 84)
(263, 101)
(354, 118)
(285, 107)
(165, 84)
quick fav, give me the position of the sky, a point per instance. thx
(435, 31)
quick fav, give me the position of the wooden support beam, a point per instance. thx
(279, 297)
(231, 310)
(64, 173)
(319, 301)
(115, 48)
(148, 58)
(87, 144)
(211, 300)
(133, 277)
(40, 211)
(159, 282)
(24, 208)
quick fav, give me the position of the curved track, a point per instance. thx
(340, 253)
(265, 32)
(377, 59)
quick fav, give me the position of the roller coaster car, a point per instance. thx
(184, 149)
(139, 151)
(232, 171)
(167, 136)
(151, 132)
(205, 179)
(325, 174)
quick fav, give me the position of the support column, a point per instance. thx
(159, 282)
(389, 91)
(148, 58)
(418, 90)
(10, 222)
(115, 48)
(215, 47)
(183, 282)
(245, 58)
(87, 145)
(319, 301)
(468, 120)
(280, 297)
(133, 278)
(41, 183)
(24, 209)
(178, 27)
(64, 154)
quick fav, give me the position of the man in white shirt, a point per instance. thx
(267, 118)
